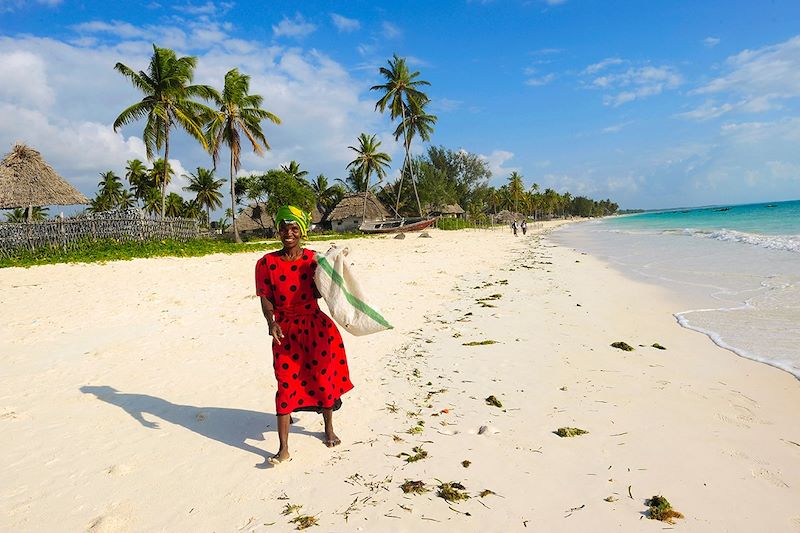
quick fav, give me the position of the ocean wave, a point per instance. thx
(789, 243)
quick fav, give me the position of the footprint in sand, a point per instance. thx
(732, 421)
(770, 477)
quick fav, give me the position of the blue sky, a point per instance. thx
(653, 104)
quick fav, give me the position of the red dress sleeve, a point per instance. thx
(263, 279)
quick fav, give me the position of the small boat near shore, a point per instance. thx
(396, 225)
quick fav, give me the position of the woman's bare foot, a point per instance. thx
(281, 457)
(331, 440)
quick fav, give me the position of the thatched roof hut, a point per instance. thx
(452, 210)
(352, 205)
(27, 180)
(255, 218)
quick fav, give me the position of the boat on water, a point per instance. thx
(396, 225)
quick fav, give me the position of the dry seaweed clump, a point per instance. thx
(479, 343)
(465, 463)
(491, 400)
(304, 521)
(622, 345)
(486, 492)
(414, 487)
(660, 509)
(419, 454)
(452, 492)
(657, 346)
(570, 432)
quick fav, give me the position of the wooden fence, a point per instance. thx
(66, 233)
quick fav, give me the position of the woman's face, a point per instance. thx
(289, 234)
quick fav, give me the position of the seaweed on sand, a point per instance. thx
(304, 521)
(660, 509)
(491, 400)
(657, 346)
(479, 343)
(570, 432)
(622, 345)
(291, 508)
(486, 492)
(414, 487)
(465, 463)
(419, 454)
(452, 492)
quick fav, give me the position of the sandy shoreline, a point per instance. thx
(138, 396)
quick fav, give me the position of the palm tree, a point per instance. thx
(126, 200)
(369, 160)
(167, 102)
(19, 214)
(152, 200)
(415, 122)
(138, 178)
(400, 94)
(110, 188)
(206, 189)
(323, 192)
(293, 169)
(515, 189)
(239, 113)
(174, 205)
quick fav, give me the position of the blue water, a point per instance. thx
(736, 270)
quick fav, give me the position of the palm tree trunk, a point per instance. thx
(408, 160)
(166, 172)
(233, 205)
(366, 191)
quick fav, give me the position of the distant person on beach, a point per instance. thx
(308, 352)
(514, 227)
(524, 226)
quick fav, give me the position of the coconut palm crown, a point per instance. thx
(368, 161)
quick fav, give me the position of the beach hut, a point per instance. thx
(254, 220)
(447, 211)
(26, 181)
(349, 212)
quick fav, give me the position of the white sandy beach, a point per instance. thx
(138, 396)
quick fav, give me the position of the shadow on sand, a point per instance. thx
(228, 426)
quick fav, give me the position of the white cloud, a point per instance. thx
(616, 128)
(390, 31)
(208, 8)
(555, 2)
(13, 5)
(344, 24)
(757, 80)
(297, 27)
(496, 161)
(634, 83)
(446, 105)
(711, 42)
(602, 65)
(708, 110)
(28, 85)
(542, 80)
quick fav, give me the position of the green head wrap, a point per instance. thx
(290, 213)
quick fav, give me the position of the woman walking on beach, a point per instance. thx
(308, 352)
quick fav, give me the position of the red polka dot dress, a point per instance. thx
(310, 363)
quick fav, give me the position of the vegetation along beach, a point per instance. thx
(581, 234)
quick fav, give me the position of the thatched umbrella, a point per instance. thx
(26, 180)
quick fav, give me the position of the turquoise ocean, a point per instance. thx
(734, 269)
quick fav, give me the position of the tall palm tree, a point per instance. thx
(369, 160)
(206, 188)
(238, 112)
(515, 189)
(400, 93)
(152, 200)
(293, 169)
(323, 192)
(168, 101)
(415, 122)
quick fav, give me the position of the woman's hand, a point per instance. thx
(276, 332)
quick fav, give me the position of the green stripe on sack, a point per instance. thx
(355, 302)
